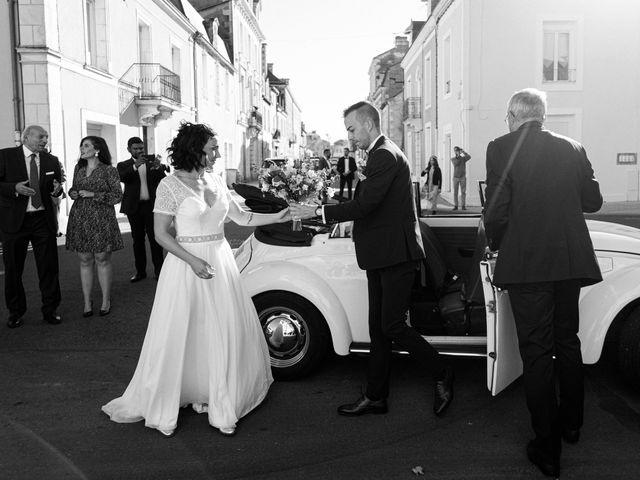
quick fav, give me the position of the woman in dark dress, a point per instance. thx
(433, 184)
(93, 230)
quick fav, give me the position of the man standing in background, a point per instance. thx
(346, 168)
(460, 177)
(141, 176)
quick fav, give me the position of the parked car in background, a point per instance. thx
(314, 298)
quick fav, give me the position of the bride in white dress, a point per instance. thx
(204, 345)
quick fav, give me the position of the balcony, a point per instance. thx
(412, 108)
(255, 120)
(154, 89)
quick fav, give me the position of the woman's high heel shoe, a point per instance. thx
(89, 312)
(167, 433)
(227, 431)
(106, 311)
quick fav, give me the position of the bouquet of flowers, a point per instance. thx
(294, 183)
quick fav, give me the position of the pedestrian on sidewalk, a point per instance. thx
(459, 162)
(433, 183)
(30, 178)
(141, 175)
(93, 230)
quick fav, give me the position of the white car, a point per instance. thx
(312, 297)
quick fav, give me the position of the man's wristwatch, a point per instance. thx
(318, 211)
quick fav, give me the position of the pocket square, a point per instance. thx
(50, 173)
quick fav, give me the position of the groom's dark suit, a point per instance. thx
(389, 247)
(19, 227)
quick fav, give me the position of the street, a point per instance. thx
(55, 378)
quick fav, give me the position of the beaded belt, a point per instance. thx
(200, 238)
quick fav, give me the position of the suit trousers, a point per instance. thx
(35, 229)
(348, 180)
(460, 183)
(547, 320)
(142, 223)
(389, 300)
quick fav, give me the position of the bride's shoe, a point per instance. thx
(167, 433)
(227, 431)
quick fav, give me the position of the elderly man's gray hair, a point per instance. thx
(528, 104)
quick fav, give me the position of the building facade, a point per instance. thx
(471, 60)
(386, 84)
(116, 70)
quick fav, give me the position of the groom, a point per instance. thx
(389, 247)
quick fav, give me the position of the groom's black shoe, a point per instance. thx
(443, 392)
(362, 406)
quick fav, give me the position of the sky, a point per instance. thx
(325, 49)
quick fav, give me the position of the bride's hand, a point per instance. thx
(202, 269)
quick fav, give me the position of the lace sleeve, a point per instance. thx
(165, 199)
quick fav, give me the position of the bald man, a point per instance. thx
(29, 178)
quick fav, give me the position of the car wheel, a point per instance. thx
(629, 347)
(296, 333)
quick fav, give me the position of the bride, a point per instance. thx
(204, 345)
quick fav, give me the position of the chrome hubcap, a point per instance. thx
(286, 334)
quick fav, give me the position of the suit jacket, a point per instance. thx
(385, 228)
(538, 186)
(131, 179)
(14, 170)
(352, 167)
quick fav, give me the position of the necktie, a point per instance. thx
(34, 182)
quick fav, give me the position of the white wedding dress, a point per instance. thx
(204, 345)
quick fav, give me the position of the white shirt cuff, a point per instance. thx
(323, 219)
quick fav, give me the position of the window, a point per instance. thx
(96, 34)
(176, 61)
(227, 95)
(446, 68)
(205, 76)
(217, 83)
(427, 80)
(559, 53)
(558, 56)
(145, 54)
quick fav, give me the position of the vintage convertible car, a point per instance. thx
(311, 296)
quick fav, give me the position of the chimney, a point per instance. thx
(270, 67)
(402, 43)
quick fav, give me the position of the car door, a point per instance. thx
(504, 364)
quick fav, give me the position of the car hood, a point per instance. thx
(614, 237)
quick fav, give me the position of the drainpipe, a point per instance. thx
(195, 38)
(16, 72)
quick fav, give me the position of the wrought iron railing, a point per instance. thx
(255, 120)
(413, 107)
(152, 80)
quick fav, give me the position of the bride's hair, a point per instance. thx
(187, 149)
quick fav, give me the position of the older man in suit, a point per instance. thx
(538, 186)
(29, 178)
(141, 177)
(389, 247)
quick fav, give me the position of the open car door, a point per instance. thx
(504, 364)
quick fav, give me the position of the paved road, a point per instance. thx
(54, 378)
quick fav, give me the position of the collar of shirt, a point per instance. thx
(28, 153)
(373, 143)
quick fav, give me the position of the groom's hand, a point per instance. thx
(301, 212)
